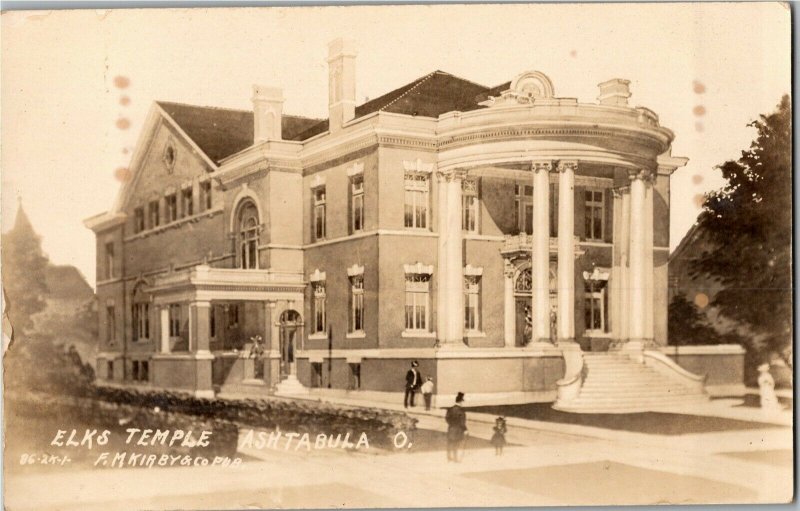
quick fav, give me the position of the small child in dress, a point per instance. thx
(427, 392)
(499, 437)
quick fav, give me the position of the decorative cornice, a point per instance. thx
(356, 169)
(317, 181)
(317, 276)
(419, 268)
(418, 166)
(473, 271)
(355, 270)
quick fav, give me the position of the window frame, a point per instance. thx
(138, 220)
(319, 213)
(110, 257)
(357, 194)
(472, 311)
(416, 200)
(592, 207)
(154, 214)
(171, 207)
(417, 296)
(141, 321)
(111, 325)
(523, 202)
(595, 291)
(470, 206)
(206, 198)
(319, 320)
(355, 323)
(174, 320)
(187, 202)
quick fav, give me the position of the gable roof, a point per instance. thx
(221, 132)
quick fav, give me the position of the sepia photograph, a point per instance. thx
(397, 256)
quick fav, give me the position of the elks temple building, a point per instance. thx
(508, 239)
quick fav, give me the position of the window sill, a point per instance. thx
(474, 333)
(317, 336)
(417, 334)
(360, 334)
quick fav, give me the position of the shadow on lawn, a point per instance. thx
(657, 423)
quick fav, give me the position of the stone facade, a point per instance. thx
(481, 231)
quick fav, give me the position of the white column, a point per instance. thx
(455, 266)
(164, 317)
(441, 276)
(510, 313)
(566, 250)
(624, 264)
(540, 254)
(616, 252)
(637, 256)
(649, 329)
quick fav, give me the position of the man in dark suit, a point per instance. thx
(456, 428)
(413, 382)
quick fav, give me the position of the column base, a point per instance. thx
(451, 345)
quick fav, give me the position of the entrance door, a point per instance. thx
(289, 331)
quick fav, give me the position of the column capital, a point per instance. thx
(509, 269)
(619, 191)
(643, 174)
(542, 165)
(451, 175)
(565, 165)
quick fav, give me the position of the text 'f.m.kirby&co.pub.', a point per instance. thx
(502, 236)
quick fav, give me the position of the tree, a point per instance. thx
(687, 325)
(24, 267)
(749, 223)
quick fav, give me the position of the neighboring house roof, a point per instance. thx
(67, 283)
(221, 132)
(687, 243)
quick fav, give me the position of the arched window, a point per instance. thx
(248, 236)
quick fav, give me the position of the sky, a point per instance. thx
(76, 85)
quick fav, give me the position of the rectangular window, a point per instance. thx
(135, 370)
(469, 205)
(316, 375)
(212, 322)
(472, 303)
(154, 213)
(205, 195)
(355, 376)
(417, 191)
(111, 324)
(356, 304)
(523, 206)
(594, 308)
(141, 321)
(233, 316)
(318, 305)
(138, 220)
(594, 214)
(357, 204)
(144, 370)
(110, 370)
(174, 320)
(187, 204)
(171, 204)
(109, 260)
(417, 301)
(319, 213)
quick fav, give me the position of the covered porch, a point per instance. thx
(219, 327)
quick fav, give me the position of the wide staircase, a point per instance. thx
(616, 383)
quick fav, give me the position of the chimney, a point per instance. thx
(614, 92)
(341, 82)
(267, 113)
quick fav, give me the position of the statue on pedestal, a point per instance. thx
(766, 389)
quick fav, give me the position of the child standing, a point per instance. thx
(499, 437)
(427, 392)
